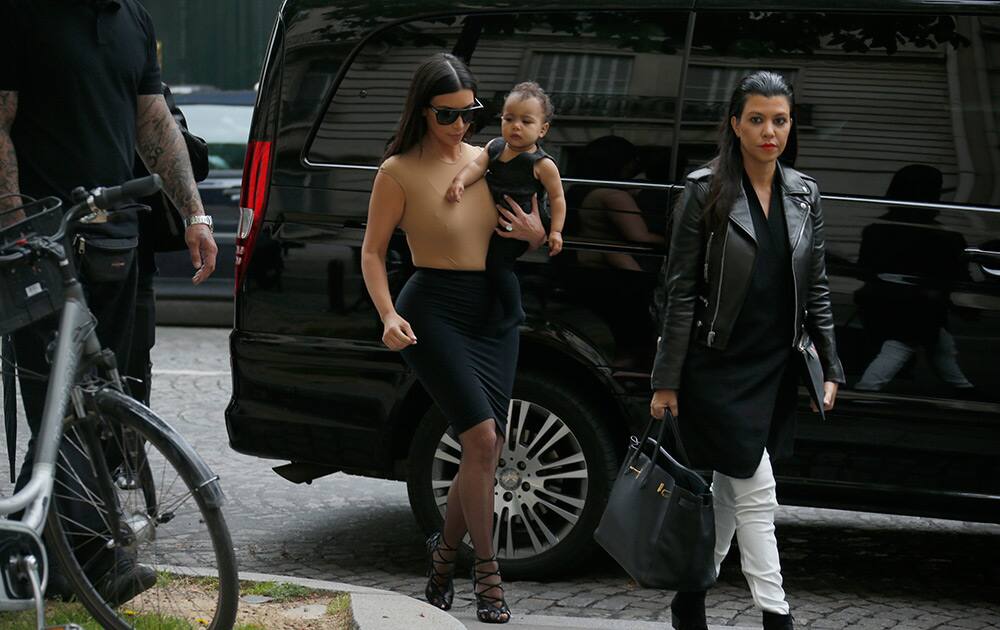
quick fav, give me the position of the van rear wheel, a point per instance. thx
(552, 481)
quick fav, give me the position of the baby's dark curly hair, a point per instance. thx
(530, 89)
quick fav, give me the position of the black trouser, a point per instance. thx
(113, 304)
(140, 367)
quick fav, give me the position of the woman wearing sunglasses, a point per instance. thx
(448, 303)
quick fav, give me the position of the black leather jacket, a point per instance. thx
(707, 275)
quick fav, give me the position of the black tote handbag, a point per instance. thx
(660, 523)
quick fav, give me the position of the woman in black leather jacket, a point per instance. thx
(746, 287)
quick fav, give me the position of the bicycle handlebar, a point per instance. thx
(98, 199)
(107, 198)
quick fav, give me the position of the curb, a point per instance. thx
(372, 608)
(377, 609)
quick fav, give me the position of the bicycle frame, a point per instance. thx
(77, 348)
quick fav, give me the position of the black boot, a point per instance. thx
(687, 611)
(774, 621)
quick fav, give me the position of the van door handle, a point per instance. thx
(981, 255)
(988, 260)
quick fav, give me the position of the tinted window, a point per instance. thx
(874, 94)
(364, 110)
(613, 78)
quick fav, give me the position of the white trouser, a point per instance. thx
(746, 507)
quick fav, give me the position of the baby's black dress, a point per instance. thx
(516, 179)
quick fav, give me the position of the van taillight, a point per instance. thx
(253, 199)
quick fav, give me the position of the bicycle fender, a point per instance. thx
(205, 482)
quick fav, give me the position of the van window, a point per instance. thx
(583, 73)
(365, 108)
(875, 94)
(613, 77)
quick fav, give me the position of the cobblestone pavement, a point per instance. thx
(842, 569)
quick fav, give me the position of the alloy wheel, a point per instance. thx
(541, 482)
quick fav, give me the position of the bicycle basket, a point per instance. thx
(31, 287)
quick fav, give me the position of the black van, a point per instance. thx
(898, 118)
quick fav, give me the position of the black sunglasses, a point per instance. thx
(448, 115)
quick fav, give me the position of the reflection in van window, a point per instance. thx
(874, 93)
(625, 82)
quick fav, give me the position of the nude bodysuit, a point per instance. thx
(442, 234)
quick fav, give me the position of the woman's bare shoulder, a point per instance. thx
(392, 162)
(396, 166)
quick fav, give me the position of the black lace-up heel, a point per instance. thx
(440, 591)
(489, 609)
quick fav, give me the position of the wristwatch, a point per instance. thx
(199, 219)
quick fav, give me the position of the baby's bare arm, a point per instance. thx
(548, 173)
(474, 170)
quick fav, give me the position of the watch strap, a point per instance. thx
(198, 219)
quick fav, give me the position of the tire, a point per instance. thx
(563, 504)
(176, 524)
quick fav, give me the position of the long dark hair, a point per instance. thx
(442, 73)
(727, 166)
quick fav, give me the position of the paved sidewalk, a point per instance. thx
(843, 570)
(376, 609)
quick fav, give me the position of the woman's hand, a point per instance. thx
(829, 397)
(397, 334)
(663, 399)
(516, 223)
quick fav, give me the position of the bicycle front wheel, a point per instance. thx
(172, 562)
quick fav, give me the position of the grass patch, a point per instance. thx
(161, 622)
(339, 605)
(278, 591)
(164, 579)
(59, 613)
(263, 617)
(55, 613)
(339, 611)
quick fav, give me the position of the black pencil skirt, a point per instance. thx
(462, 358)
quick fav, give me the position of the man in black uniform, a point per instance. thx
(80, 95)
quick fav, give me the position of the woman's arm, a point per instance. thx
(681, 281)
(819, 319)
(385, 210)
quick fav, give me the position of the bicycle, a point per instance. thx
(125, 503)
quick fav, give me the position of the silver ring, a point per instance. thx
(509, 228)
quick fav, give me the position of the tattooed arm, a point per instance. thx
(161, 146)
(8, 159)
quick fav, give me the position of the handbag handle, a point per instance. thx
(643, 475)
(639, 443)
(668, 418)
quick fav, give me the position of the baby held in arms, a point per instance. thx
(516, 167)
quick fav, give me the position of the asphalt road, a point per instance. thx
(841, 569)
